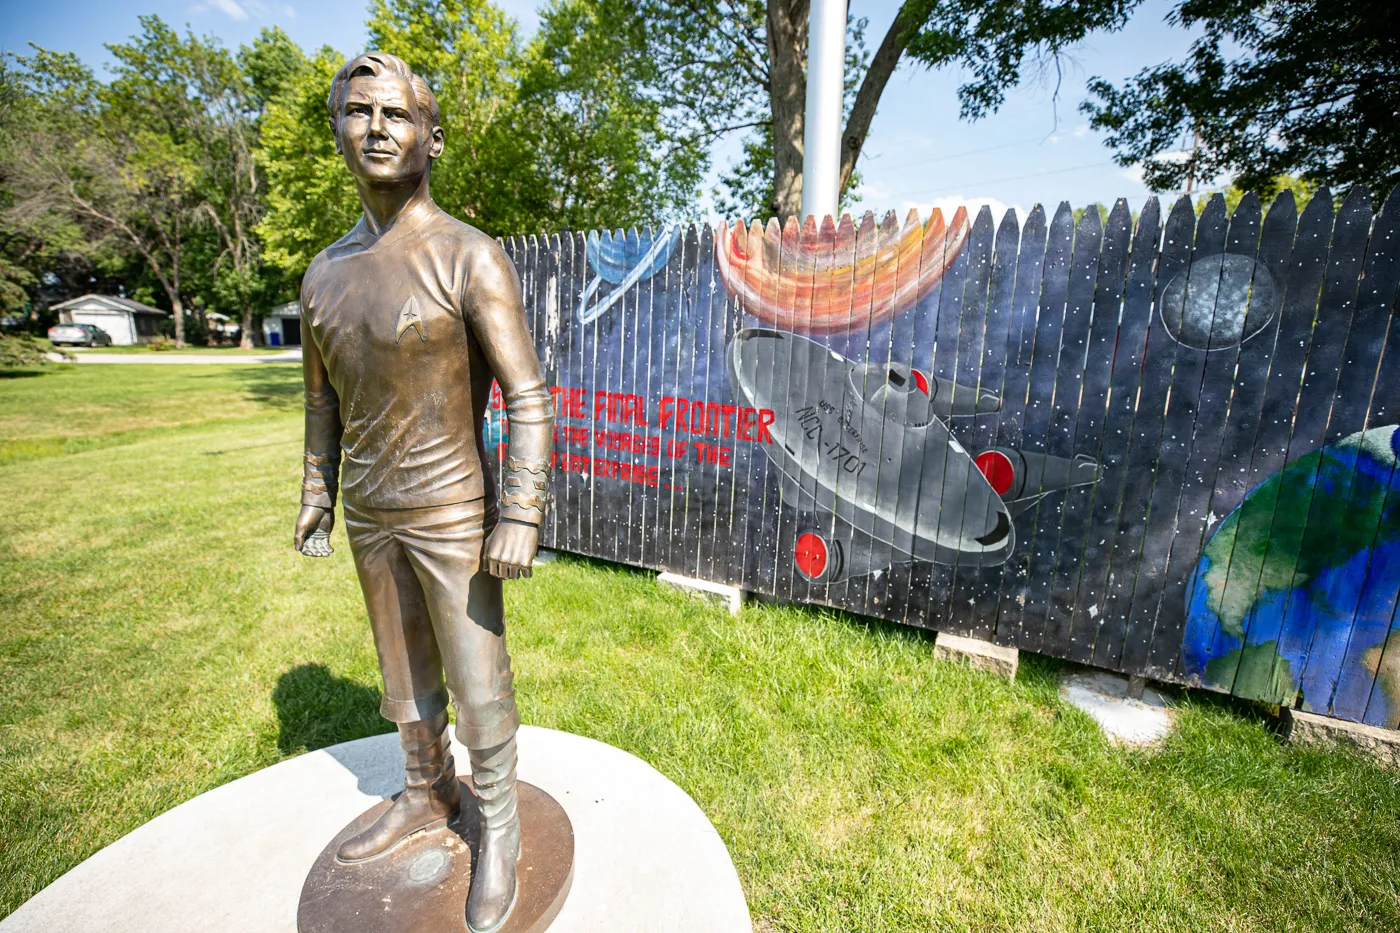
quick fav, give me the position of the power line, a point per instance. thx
(959, 155)
(994, 181)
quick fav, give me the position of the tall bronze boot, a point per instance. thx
(493, 876)
(430, 797)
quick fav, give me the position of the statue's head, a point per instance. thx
(385, 120)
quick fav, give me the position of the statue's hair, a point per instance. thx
(373, 64)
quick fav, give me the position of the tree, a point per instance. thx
(111, 170)
(193, 91)
(741, 65)
(557, 133)
(561, 132)
(1272, 87)
(603, 150)
(468, 52)
(311, 200)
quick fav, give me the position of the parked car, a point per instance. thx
(84, 335)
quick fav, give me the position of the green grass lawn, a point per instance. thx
(161, 638)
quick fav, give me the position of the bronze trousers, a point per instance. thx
(434, 609)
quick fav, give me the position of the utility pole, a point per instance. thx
(821, 128)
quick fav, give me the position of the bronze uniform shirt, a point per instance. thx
(404, 335)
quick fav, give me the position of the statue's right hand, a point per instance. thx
(313, 534)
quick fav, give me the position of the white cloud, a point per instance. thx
(1133, 173)
(1081, 130)
(229, 8)
(871, 192)
(244, 9)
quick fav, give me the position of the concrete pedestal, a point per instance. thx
(234, 859)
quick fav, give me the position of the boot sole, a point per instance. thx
(426, 828)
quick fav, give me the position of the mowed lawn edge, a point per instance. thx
(161, 638)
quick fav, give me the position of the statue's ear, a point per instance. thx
(335, 134)
(438, 141)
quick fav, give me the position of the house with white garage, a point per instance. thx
(125, 321)
(282, 325)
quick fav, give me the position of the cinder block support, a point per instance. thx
(980, 654)
(731, 596)
(1311, 729)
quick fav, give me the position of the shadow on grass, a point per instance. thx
(315, 708)
(274, 385)
(20, 373)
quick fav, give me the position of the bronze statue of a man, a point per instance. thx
(405, 322)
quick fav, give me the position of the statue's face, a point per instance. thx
(381, 136)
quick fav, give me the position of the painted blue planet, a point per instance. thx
(1295, 595)
(623, 261)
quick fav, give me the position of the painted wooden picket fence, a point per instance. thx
(1161, 445)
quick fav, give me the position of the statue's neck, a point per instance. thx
(384, 205)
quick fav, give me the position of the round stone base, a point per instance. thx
(234, 860)
(421, 885)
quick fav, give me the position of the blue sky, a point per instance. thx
(918, 155)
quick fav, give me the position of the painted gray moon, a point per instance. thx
(1219, 302)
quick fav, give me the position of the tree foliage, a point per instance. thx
(311, 201)
(94, 159)
(1272, 87)
(558, 132)
(205, 179)
(741, 65)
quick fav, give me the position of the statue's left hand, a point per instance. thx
(511, 550)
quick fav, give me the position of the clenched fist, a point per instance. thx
(313, 534)
(511, 549)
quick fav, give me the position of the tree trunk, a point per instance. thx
(178, 309)
(787, 95)
(787, 57)
(882, 66)
(245, 328)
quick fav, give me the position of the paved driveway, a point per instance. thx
(278, 356)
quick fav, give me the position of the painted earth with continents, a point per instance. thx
(1296, 590)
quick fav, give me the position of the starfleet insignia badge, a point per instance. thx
(410, 318)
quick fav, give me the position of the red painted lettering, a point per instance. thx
(747, 416)
(765, 418)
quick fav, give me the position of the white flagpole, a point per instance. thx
(821, 133)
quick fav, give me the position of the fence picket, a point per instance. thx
(1105, 309)
(966, 369)
(1021, 336)
(872, 339)
(904, 348)
(1219, 365)
(1141, 465)
(936, 355)
(1256, 515)
(1178, 422)
(1061, 441)
(1035, 426)
(976, 585)
(1134, 321)
(1305, 551)
(1365, 369)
